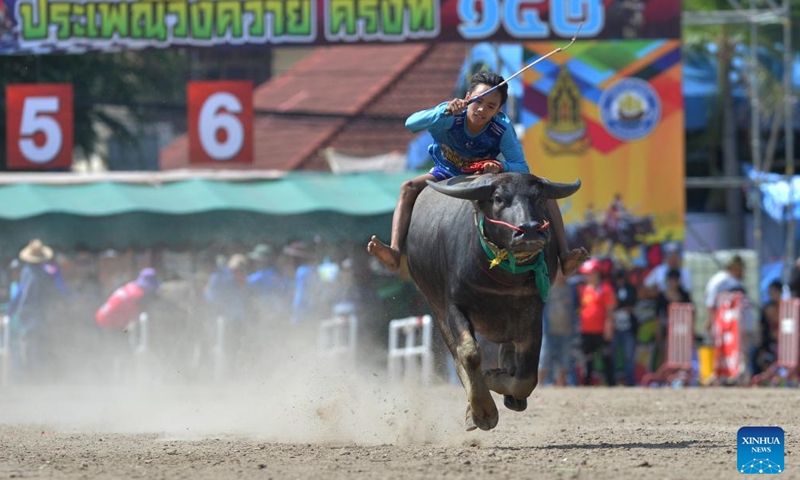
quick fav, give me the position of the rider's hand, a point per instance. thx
(480, 166)
(491, 167)
(456, 106)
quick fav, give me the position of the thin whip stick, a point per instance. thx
(559, 49)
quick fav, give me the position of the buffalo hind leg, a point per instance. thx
(508, 363)
(481, 409)
(520, 384)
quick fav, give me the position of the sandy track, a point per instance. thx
(197, 433)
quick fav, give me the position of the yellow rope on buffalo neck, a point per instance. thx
(517, 262)
(511, 263)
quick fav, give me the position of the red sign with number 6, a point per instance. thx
(39, 129)
(220, 122)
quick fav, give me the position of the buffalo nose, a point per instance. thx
(528, 229)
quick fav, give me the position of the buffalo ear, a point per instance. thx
(555, 190)
(466, 187)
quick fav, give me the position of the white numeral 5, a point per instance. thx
(35, 118)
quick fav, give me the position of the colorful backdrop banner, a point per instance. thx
(76, 26)
(611, 114)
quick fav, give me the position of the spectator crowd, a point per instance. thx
(74, 314)
(608, 324)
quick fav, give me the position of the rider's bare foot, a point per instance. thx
(389, 257)
(573, 261)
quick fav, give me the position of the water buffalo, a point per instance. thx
(630, 232)
(584, 234)
(469, 292)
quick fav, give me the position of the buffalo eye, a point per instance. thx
(498, 200)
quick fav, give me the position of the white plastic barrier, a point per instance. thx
(138, 333)
(680, 335)
(411, 359)
(132, 364)
(338, 337)
(789, 334)
(138, 339)
(5, 351)
(218, 350)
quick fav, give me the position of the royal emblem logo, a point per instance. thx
(760, 450)
(630, 109)
(565, 127)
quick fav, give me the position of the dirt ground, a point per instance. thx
(345, 429)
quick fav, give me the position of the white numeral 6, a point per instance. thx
(218, 113)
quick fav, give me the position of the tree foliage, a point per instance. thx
(729, 45)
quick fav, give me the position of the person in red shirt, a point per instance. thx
(597, 303)
(127, 302)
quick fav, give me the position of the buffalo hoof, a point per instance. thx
(516, 404)
(469, 423)
(485, 422)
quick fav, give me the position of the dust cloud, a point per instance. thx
(281, 392)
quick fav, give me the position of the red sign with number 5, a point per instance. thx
(39, 129)
(220, 122)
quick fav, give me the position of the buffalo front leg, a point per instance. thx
(481, 409)
(516, 385)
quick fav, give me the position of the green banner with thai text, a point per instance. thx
(77, 26)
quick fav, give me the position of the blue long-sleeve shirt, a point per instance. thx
(455, 147)
(303, 300)
(37, 297)
(227, 295)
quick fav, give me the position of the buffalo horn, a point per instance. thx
(466, 187)
(555, 190)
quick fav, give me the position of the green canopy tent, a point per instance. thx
(195, 213)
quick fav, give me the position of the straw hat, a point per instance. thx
(36, 252)
(260, 252)
(237, 262)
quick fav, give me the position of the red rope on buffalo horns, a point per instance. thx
(500, 222)
(544, 226)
